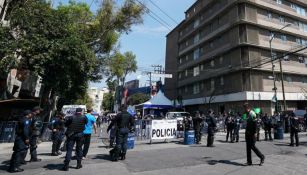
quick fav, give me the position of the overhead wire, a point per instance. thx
(163, 12)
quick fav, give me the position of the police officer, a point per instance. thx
(36, 127)
(112, 134)
(237, 123)
(259, 124)
(197, 120)
(250, 135)
(229, 121)
(294, 129)
(267, 123)
(125, 123)
(74, 133)
(211, 122)
(58, 129)
(21, 143)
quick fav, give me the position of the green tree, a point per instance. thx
(138, 98)
(108, 102)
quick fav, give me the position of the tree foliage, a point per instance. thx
(108, 102)
(84, 100)
(138, 98)
(67, 46)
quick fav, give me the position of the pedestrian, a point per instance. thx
(259, 124)
(211, 122)
(21, 143)
(99, 121)
(237, 125)
(74, 133)
(229, 121)
(294, 129)
(91, 123)
(112, 132)
(197, 120)
(36, 127)
(57, 127)
(125, 123)
(250, 136)
(267, 123)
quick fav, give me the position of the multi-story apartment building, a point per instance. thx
(97, 96)
(220, 54)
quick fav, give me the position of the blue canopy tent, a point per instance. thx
(158, 101)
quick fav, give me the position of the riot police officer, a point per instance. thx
(21, 143)
(58, 128)
(229, 121)
(250, 136)
(74, 133)
(237, 123)
(211, 122)
(197, 120)
(125, 124)
(267, 123)
(36, 127)
(294, 129)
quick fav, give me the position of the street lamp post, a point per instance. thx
(274, 75)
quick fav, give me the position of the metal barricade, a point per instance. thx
(7, 131)
(142, 129)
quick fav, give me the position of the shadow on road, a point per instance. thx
(228, 162)
(54, 166)
(102, 156)
(6, 162)
(4, 168)
(282, 144)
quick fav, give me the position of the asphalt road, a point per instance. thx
(175, 158)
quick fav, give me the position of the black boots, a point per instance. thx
(65, 167)
(123, 156)
(79, 165)
(15, 170)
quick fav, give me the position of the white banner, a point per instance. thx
(163, 129)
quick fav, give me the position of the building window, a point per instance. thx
(300, 11)
(196, 54)
(221, 60)
(269, 15)
(283, 38)
(274, 55)
(212, 84)
(286, 58)
(211, 44)
(201, 67)
(180, 60)
(279, 1)
(289, 79)
(201, 51)
(186, 72)
(281, 19)
(180, 33)
(293, 6)
(179, 75)
(186, 57)
(196, 71)
(196, 23)
(301, 59)
(305, 61)
(196, 88)
(299, 41)
(202, 85)
(196, 38)
(212, 63)
(222, 81)
(186, 43)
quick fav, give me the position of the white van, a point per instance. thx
(70, 110)
(177, 115)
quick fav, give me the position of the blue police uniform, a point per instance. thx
(20, 147)
(57, 135)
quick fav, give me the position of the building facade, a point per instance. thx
(97, 95)
(220, 54)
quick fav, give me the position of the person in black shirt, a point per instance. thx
(211, 122)
(21, 143)
(294, 129)
(267, 122)
(36, 127)
(125, 123)
(250, 136)
(58, 128)
(74, 133)
(196, 124)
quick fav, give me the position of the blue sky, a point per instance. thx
(148, 40)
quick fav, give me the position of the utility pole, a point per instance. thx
(157, 69)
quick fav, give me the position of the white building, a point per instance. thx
(97, 95)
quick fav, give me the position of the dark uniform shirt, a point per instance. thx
(23, 128)
(75, 124)
(251, 124)
(122, 120)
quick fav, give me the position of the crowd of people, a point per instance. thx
(77, 130)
